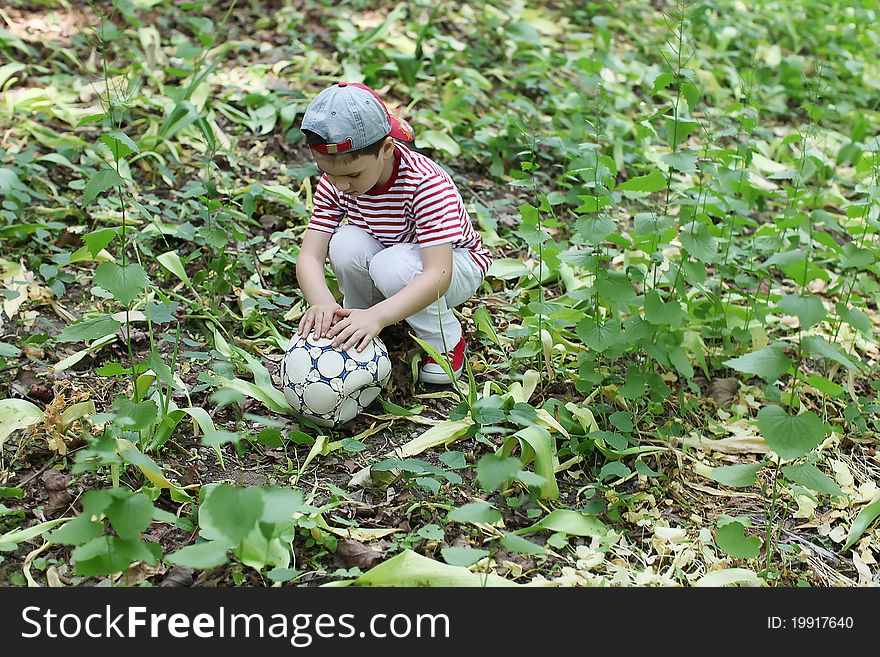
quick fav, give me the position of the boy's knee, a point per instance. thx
(392, 269)
(347, 247)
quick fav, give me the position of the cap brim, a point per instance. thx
(401, 129)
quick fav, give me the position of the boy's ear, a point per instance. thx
(388, 146)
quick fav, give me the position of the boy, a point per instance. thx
(408, 251)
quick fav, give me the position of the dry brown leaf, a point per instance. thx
(351, 554)
(56, 483)
(741, 444)
(178, 576)
(724, 391)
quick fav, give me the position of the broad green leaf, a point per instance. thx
(769, 363)
(521, 545)
(463, 556)
(120, 144)
(17, 414)
(230, 513)
(817, 345)
(209, 554)
(866, 516)
(566, 521)
(125, 283)
(130, 515)
(89, 329)
(700, 243)
(615, 288)
(729, 577)
(437, 140)
(790, 437)
(131, 454)
(594, 230)
(665, 313)
(809, 476)
(476, 512)
(271, 397)
(493, 470)
(543, 446)
(598, 337)
(855, 318)
(135, 416)
(736, 476)
(808, 308)
(678, 131)
(17, 536)
(101, 181)
(444, 434)
(97, 240)
(684, 161)
(484, 323)
(78, 531)
(732, 539)
(172, 262)
(825, 386)
(653, 182)
(411, 569)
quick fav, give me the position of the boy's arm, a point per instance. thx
(310, 276)
(361, 326)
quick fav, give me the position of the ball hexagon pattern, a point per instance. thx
(329, 385)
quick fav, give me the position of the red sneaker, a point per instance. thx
(431, 372)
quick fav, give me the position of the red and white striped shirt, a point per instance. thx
(419, 204)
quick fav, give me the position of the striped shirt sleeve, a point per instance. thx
(328, 210)
(437, 209)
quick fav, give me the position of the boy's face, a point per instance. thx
(360, 174)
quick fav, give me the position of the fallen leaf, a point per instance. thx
(56, 483)
(351, 554)
(724, 391)
(178, 576)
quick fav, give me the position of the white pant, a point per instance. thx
(369, 272)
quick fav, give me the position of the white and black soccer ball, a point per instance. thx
(329, 385)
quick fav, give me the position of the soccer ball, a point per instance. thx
(329, 385)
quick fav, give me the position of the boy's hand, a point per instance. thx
(357, 327)
(319, 318)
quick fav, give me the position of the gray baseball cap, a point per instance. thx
(350, 116)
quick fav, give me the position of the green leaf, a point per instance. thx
(484, 323)
(209, 554)
(736, 476)
(700, 243)
(818, 346)
(790, 437)
(437, 140)
(732, 539)
(120, 144)
(537, 439)
(411, 569)
(89, 329)
(613, 469)
(463, 556)
(78, 531)
(809, 476)
(101, 181)
(131, 515)
(594, 230)
(230, 513)
(658, 312)
(866, 516)
(808, 308)
(494, 470)
(17, 414)
(653, 182)
(476, 512)
(135, 416)
(568, 522)
(521, 545)
(125, 283)
(769, 363)
(172, 262)
(678, 131)
(98, 240)
(855, 318)
(598, 337)
(684, 161)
